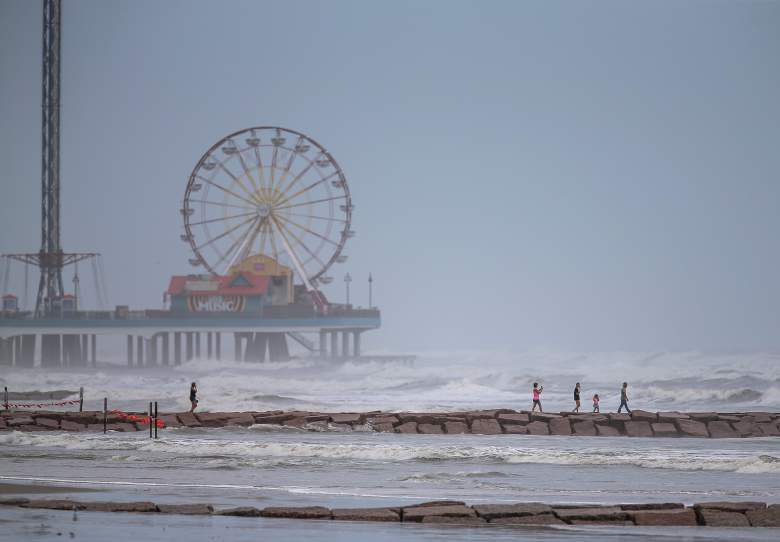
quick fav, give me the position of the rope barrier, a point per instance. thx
(39, 405)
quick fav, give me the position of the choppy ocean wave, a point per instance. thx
(437, 381)
(235, 453)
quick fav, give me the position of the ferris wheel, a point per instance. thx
(271, 191)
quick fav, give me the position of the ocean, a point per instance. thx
(263, 466)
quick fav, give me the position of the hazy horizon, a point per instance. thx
(594, 176)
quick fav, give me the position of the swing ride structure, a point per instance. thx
(267, 213)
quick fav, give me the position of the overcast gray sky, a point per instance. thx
(576, 175)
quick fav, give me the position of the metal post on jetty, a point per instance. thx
(81, 399)
(155, 419)
(151, 421)
(105, 414)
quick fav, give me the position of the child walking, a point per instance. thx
(596, 403)
(537, 392)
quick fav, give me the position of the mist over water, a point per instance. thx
(436, 381)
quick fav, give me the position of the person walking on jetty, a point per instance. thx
(624, 398)
(193, 396)
(577, 397)
(596, 403)
(537, 391)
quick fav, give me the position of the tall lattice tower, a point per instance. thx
(50, 258)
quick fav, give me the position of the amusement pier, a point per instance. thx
(267, 214)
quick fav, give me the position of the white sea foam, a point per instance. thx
(226, 453)
(437, 381)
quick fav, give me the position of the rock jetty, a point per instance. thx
(707, 514)
(485, 422)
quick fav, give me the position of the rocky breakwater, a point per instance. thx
(487, 422)
(707, 514)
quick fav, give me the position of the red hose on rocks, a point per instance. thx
(137, 419)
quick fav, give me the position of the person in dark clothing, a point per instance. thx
(624, 398)
(577, 397)
(193, 396)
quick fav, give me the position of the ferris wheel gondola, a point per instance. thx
(272, 191)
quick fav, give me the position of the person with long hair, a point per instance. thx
(193, 396)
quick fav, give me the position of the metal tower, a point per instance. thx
(50, 259)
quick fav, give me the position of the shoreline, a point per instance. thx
(705, 514)
(639, 423)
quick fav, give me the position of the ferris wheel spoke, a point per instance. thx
(239, 241)
(304, 190)
(220, 204)
(293, 154)
(222, 218)
(225, 233)
(247, 172)
(331, 219)
(293, 256)
(227, 190)
(311, 202)
(246, 246)
(298, 240)
(296, 179)
(260, 173)
(237, 180)
(273, 169)
(309, 231)
(273, 243)
(263, 237)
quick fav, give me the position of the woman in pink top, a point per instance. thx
(537, 391)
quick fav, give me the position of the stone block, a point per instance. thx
(430, 429)
(66, 425)
(124, 427)
(759, 417)
(731, 418)
(618, 418)
(365, 514)
(560, 426)
(170, 420)
(513, 419)
(30, 428)
(609, 513)
(672, 417)
(407, 427)
(241, 511)
(638, 429)
(417, 513)
(747, 428)
(672, 517)
(189, 419)
(54, 504)
(607, 431)
(13, 501)
(717, 518)
(703, 417)
(440, 502)
(296, 512)
(516, 429)
(584, 428)
(653, 506)
(48, 423)
(494, 511)
(538, 428)
(347, 418)
(485, 426)
(731, 506)
(644, 416)
(692, 428)
(454, 520)
(414, 417)
(109, 506)
(384, 427)
(721, 429)
(16, 421)
(383, 419)
(543, 417)
(298, 421)
(664, 429)
(769, 429)
(481, 415)
(186, 509)
(766, 517)
(454, 428)
(274, 419)
(540, 519)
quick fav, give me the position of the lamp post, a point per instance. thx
(347, 280)
(370, 291)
